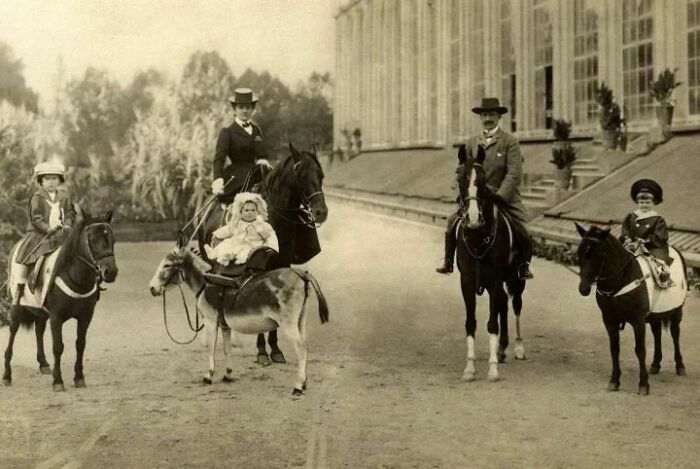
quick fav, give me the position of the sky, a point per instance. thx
(289, 38)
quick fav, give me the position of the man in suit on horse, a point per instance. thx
(503, 169)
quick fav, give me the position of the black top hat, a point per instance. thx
(243, 96)
(490, 104)
(649, 186)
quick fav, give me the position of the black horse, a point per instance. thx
(486, 260)
(293, 191)
(86, 260)
(622, 294)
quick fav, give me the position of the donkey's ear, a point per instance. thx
(581, 230)
(181, 240)
(605, 230)
(108, 216)
(295, 153)
(462, 154)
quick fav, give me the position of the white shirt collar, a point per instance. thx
(240, 122)
(642, 215)
(491, 133)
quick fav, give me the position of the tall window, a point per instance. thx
(455, 61)
(694, 56)
(507, 61)
(414, 65)
(585, 61)
(432, 82)
(476, 39)
(637, 58)
(544, 52)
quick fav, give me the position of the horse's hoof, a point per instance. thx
(493, 378)
(501, 358)
(226, 379)
(7, 382)
(654, 369)
(263, 359)
(45, 369)
(297, 392)
(680, 371)
(80, 383)
(613, 386)
(643, 390)
(206, 380)
(58, 387)
(468, 376)
(277, 356)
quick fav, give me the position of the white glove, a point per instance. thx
(263, 162)
(217, 186)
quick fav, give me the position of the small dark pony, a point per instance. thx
(485, 261)
(86, 260)
(622, 296)
(293, 191)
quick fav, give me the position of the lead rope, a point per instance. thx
(196, 327)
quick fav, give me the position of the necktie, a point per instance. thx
(246, 125)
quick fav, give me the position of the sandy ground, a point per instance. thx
(384, 378)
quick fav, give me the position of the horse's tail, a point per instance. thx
(323, 310)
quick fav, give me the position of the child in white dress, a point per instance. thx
(245, 231)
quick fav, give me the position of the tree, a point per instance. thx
(98, 121)
(12, 84)
(139, 95)
(206, 82)
(311, 118)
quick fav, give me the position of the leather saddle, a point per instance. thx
(224, 283)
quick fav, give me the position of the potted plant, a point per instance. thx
(563, 153)
(610, 116)
(661, 90)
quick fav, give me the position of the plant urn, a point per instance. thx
(664, 114)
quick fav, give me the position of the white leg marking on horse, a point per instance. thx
(493, 357)
(519, 345)
(469, 370)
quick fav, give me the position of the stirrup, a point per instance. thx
(524, 272)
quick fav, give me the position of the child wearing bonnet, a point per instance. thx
(246, 230)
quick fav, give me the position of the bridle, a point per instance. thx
(304, 214)
(90, 260)
(598, 277)
(491, 237)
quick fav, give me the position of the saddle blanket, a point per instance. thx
(666, 299)
(44, 280)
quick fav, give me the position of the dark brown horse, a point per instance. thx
(486, 261)
(625, 293)
(86, 260)
(293, 191)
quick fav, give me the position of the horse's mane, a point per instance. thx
(281, 174)
(71, 244)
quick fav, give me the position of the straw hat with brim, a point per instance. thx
(648, 186)
(49, 168)
(243, 96)
(490, 105)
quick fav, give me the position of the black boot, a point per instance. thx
(450, 248)
(20, 292)
(525, 245)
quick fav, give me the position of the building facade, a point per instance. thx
(408, 72)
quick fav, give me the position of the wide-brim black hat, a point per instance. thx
(649, 186)
(243, 96)
(488, 105)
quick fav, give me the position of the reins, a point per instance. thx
(196, 328)
(304, 213)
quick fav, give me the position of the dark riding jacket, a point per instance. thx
(39, 213)
(651, 229)
(503, 167)
(240, 150)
